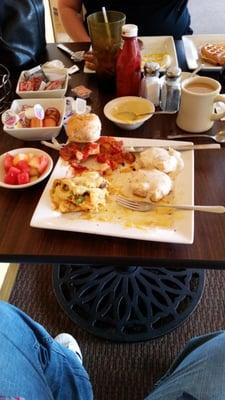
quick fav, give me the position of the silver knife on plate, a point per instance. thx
(139, 149)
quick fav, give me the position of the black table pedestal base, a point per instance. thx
(127, 304)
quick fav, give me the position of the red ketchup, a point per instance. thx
(128, 64)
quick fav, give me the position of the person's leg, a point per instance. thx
(33, 365)
(198, 371)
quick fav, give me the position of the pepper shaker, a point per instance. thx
(171, 90)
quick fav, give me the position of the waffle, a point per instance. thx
(213, 53)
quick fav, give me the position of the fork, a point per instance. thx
(148, 206)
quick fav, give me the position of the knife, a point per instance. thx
(139, 149)
(74, 55)
(191, 53)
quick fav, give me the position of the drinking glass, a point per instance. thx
(106, 42)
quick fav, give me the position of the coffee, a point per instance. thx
(200, 87)
(196, 112)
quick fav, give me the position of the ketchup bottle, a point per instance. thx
(128, 64)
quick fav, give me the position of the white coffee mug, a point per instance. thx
(196, 112)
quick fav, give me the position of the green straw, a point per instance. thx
(107, 23)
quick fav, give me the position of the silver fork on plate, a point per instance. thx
(148, 206)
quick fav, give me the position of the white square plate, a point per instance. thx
(155, 45)
(181, 231)
(159, 44)
(192, 46)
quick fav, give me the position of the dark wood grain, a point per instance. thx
(21, 243)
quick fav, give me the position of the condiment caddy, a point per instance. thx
(163, 92)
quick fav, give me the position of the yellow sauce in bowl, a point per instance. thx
(124, 111)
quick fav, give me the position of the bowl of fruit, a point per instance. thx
(34, 119)
(24, 167)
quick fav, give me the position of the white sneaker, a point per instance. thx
(68, 341)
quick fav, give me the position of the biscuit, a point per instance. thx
(83, 128)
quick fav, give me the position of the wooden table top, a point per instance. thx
(21, 243)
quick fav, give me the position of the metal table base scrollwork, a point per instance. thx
(127, 304)
(5, 88)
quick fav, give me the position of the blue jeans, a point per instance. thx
(33, 365)
(199, 371)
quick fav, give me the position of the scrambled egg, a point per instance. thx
(80, 193)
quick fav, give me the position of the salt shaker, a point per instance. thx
(150, 84)
(171, 90)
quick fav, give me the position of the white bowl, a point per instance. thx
(14, 152)
(45, 133)
(30, 94)
(128, 103)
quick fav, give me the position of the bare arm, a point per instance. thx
(69, 11)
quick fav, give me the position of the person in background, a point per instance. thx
(153, 18)
(34, 366)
